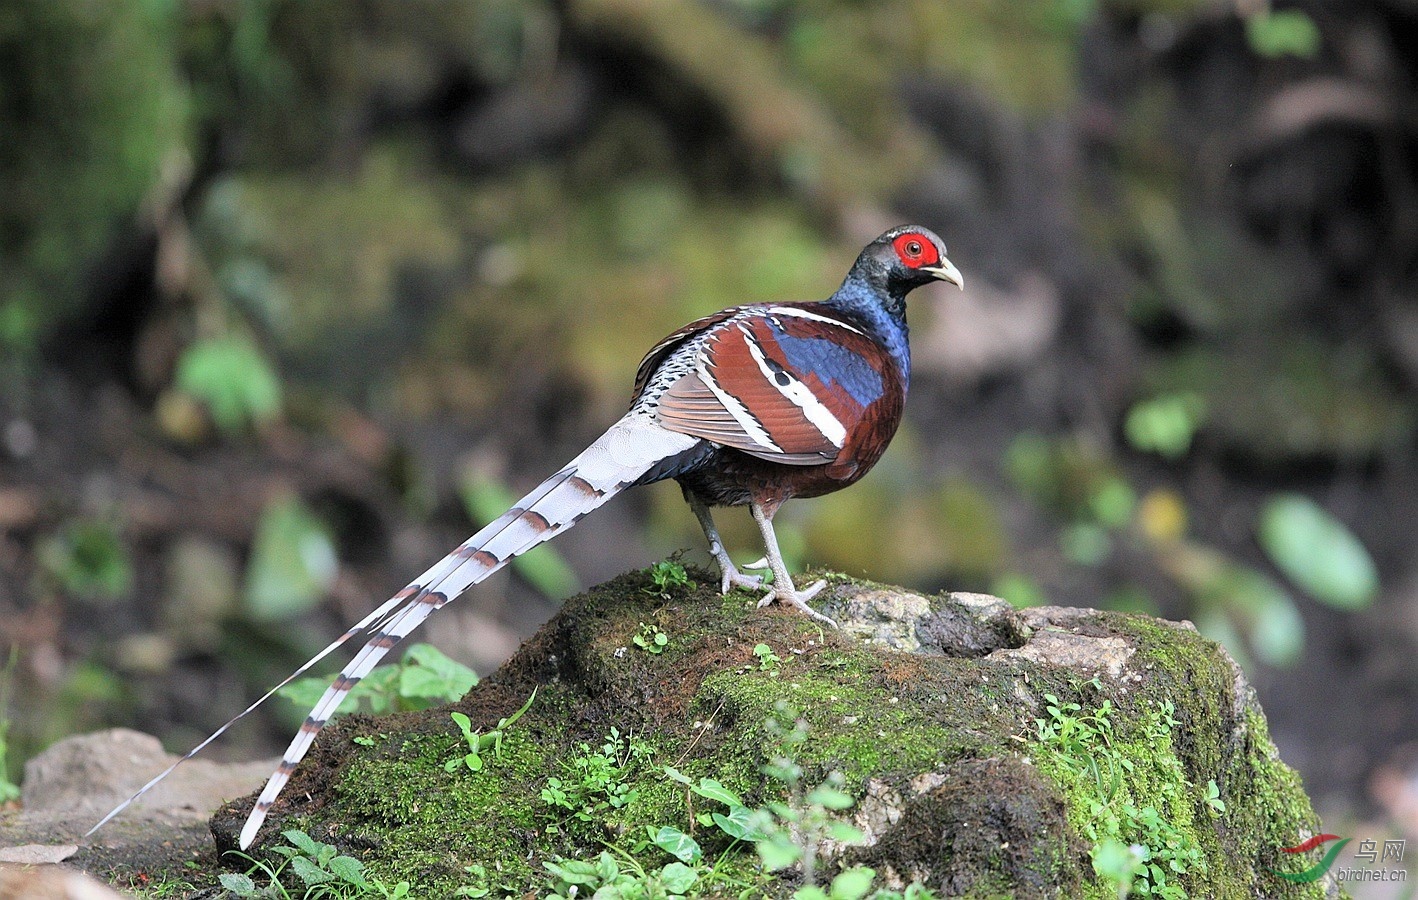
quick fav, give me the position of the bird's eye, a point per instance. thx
(914, 250)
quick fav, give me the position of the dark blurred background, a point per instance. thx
(293, 295)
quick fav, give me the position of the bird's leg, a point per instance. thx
(729, 575)
(783, 590)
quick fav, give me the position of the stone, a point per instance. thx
(933, 711)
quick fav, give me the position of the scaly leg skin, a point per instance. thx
(729, 575)
(782, 589)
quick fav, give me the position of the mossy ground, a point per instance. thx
(952, 735)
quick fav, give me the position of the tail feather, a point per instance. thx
(615, 461)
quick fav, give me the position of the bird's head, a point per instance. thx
(906, 257)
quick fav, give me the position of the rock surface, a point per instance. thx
(74, 783)
(928, 707)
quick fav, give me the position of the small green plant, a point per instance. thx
(795, 830)
(666, 576)
(767, 660)
(627, 879)
(425, 677)
(792, 832)
(87, 559)
(596, 780)
(651, 639)
(321, 869)
(477, 742)
(1213, 798)
(1165, 425)
(232, 379)
(482, 883)
(1139, 848)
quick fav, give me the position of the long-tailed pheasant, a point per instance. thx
(750, 406)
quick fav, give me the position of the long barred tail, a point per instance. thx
(617, 459)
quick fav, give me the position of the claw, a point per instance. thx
(731, 578)
(760, 563)
(798, 600)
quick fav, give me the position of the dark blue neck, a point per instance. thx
(883, 311)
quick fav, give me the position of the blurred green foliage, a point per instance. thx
(1273, 33)
(1230, 601)
(424, 677)
(97, 93)
(1165, 425)
(88, 559)
(293, 561)
(9, 785)
(232, 380)
(1317, 552)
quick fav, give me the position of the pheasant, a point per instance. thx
(750, 406)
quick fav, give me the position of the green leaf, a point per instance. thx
(303, 842)
(811, 892)
(349, 870)
(740, 823)
(710, 789)
(573, 871)
(678, 878)
(844, 833)
(308, 872)
(293, 562)
(240, 885)
(676, 775)
(852, 884)
(416, 682)
(678, 844)
(778, 852)
(830, 797)
(606, 866)
(1116, 862)
(1317, 552)
(304, 693)
(232, 379)
(1165, 425)
(1283, 32)
(434, 676)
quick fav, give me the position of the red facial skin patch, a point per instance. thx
(925, 253)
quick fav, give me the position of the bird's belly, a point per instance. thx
(734, 478)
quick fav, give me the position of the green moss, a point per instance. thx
(946, 735)
(1219, 735)
(92, 108)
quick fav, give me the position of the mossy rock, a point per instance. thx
(927, 706)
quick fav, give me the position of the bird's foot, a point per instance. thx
(786, 594)
(731, 577)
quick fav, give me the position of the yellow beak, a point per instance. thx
(946, 271)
